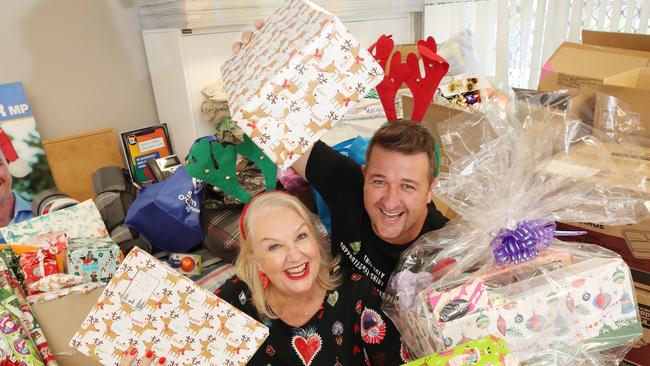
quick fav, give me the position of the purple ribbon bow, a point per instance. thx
(524, 243)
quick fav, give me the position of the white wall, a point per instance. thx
(82, 63)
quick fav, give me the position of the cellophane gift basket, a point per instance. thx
(500, 270)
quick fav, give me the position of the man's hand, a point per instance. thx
(247, 36)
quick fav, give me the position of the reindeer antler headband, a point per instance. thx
(422, 87)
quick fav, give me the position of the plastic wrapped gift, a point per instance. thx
(499, 269)
(489, 351)
(94, 259)
(297, 77)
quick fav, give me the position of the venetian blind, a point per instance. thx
(210, 13)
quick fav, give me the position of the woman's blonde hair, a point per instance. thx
(245, 265)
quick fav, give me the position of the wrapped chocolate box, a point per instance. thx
(94, 259)
(301, 72)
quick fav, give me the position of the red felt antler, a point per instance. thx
(422, 87)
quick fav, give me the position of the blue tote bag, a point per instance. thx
(167, 213)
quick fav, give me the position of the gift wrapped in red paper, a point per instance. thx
(36, 265)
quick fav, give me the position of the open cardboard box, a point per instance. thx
(60, 319)
(575, 65)
(632, 92)
(613, 64)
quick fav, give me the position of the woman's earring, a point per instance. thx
(265, 279)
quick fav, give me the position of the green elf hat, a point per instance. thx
(214, 164)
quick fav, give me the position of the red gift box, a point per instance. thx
(36, 265)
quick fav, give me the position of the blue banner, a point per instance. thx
(13, 102)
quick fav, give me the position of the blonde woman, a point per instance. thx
(287, 278)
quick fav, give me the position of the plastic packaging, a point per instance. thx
(618, 120)
(460, 52)
(511, 176)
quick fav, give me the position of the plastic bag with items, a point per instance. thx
(500, 270)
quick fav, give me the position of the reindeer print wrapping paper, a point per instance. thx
(151, 306)
(297, 77)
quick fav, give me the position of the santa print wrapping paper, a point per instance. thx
(94, 259)
(297, 77)
(567, 306)
(152, 307)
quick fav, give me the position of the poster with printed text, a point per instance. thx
(25, 169)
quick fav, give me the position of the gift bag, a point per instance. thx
(167, 213)
(355, 149)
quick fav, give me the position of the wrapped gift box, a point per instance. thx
(94, 259)
(297, 77)
(79, 221)
(36, 265)
(590, 302)
(491, 350)
(150, 306)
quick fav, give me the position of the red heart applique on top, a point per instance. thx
(306, 348)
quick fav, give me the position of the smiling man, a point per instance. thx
(379, 209)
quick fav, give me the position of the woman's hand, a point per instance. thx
(246, 36)
(148, 359)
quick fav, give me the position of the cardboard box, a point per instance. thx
(628, 41)
(74, 159)
(60, 319)
(632, 92)
(574, 65)
(300, 73)
(608, 63)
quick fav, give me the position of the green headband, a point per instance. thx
(215, 164)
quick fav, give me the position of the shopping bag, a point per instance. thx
(167, 213)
